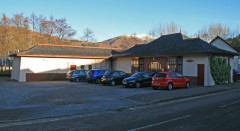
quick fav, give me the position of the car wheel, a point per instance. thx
(170, 86)
(113, 83)
(138, 85)
(98, 81)
(155, 88)
(77, 79)
(187, 85)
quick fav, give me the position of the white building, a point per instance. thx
(174, 52)
(222, 44)
(52, 62)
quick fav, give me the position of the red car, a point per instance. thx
(169, 80)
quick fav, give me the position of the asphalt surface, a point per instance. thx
(82, 106)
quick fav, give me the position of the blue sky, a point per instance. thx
(110, 18)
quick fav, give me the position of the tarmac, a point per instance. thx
(44, 100)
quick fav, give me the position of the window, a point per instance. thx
(172, 64)
(102, 71)
(82, 67)
(175, 64)
(146, 75)
(115, 74)
(154, 66)
(82, 72)
(179, 75)
(89, 67)
(160, 75)
(173, 75)
(135, 65)
(122, 73)
(73, 67)
(179, 65)
(141, 64)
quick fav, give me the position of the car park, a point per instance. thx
(139, 79)
(169, 80)
(76, 75)
(95, 75)
(113, 77)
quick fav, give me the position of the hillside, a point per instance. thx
(128, 41)
(18, 39)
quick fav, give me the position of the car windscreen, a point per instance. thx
(160, 75)
(107, 73)
(138, 74)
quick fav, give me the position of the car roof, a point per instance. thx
(166, 72)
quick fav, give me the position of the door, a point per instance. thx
(116, 77)
(200, 74)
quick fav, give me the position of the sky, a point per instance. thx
(111, 18)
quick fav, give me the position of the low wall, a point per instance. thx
(45, 76)
(193, 80)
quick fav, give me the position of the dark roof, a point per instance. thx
(66, 51)
(175, 45)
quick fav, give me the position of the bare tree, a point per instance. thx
(6, 32)
(163, 29)
(88, 35)
(63, 30)
(21, 32)
(214, 30)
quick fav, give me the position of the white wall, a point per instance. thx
(190, 68)
(122, 64)
(15, 68)
(56, 65)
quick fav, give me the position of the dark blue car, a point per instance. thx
(139, 79)
(77, 75)
(95, 75)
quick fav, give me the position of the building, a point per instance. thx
(222, 44)
(174, 52)
(52, 62)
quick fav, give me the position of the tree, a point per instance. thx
(6, 34)
(212, 31)
(164, 29)
(88, 35)
(21, 32)
(63, 30)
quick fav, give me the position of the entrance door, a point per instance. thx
(200, 74)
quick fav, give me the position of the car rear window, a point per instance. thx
(159, 75)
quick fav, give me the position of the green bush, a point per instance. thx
(220, 69)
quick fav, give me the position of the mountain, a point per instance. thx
(128, 41)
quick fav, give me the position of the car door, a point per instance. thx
(147, 79)
(122, 76)
(174, 79)
(180, 80)
(116, 77)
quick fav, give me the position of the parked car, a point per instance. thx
(95, 75)
(76, 75)
(169, 80)
(139, 79)
(113, 77)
